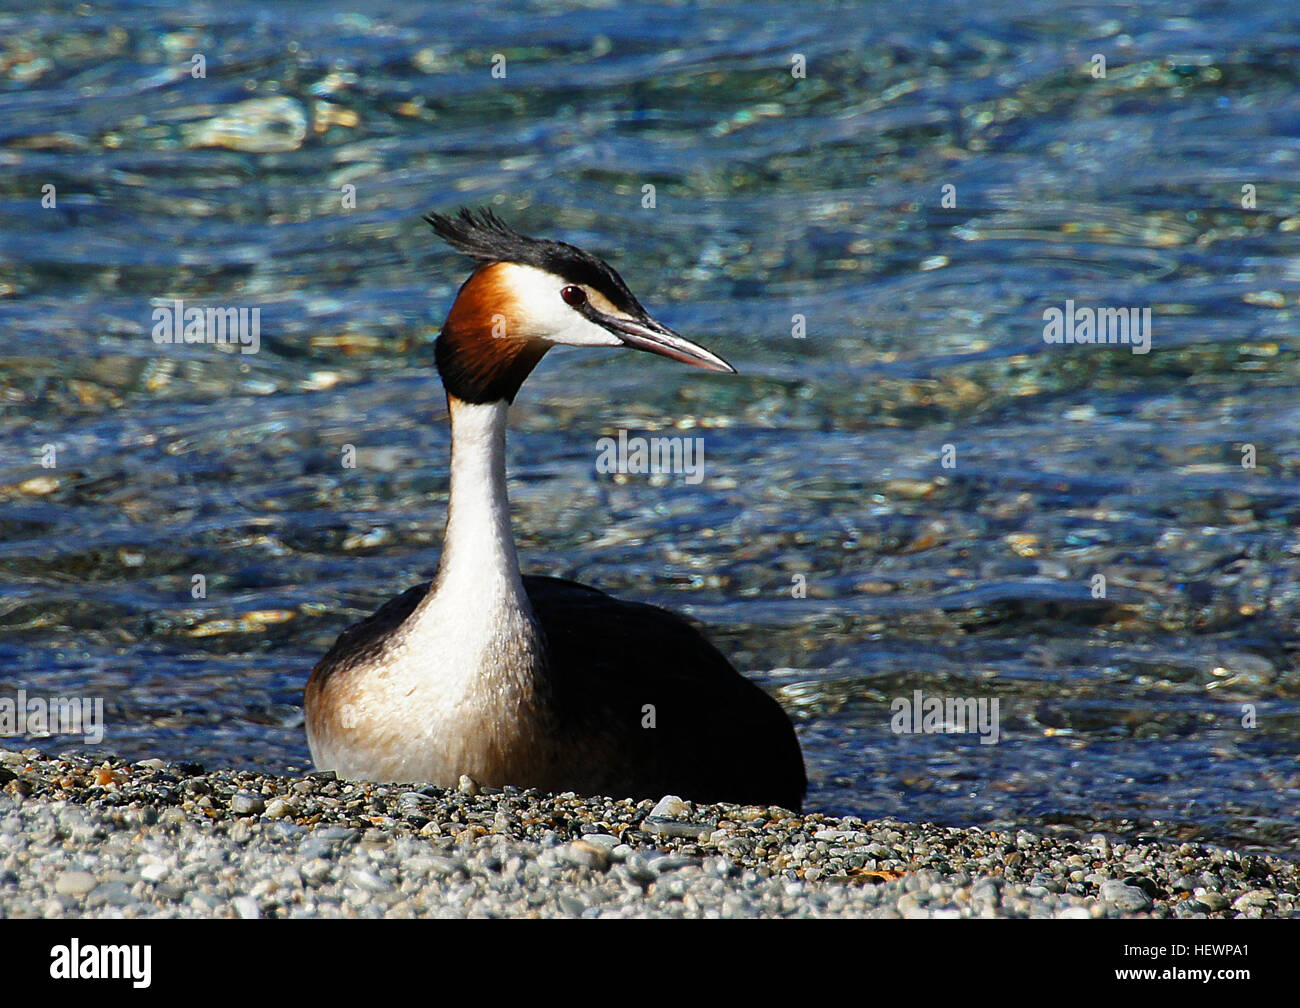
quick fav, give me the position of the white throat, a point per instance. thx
(479, 565)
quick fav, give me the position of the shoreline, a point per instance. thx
(102, 838)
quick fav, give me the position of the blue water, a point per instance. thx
(775, 196)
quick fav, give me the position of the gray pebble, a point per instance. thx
(1213, 900)
(445, 866)
(1125, 897)
(675, 828)
(369, 881)
(154, 871)
(247, 804)
(75, 883)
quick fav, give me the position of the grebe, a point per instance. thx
(526, 680)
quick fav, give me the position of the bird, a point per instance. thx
(535, 681)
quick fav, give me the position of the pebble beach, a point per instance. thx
(86, 836)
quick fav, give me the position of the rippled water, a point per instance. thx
(776, 196)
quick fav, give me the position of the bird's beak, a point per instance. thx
(656, 338)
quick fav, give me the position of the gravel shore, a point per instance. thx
(102, 838)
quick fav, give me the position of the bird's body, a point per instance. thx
(590, 731)
(538, 681)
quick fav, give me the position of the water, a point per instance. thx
(775, 196)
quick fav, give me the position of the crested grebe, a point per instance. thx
(527, 680)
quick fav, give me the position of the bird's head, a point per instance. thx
(528, 295)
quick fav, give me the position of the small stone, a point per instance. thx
(1147, 885)
(1213, 901)
(467, 785)
(670, 807)
(445, 866)
(673, 828)
(587, 855)
(1125, 897)
(243, 803)
(277, 808)
(154, 871)
(637, 872)
(369, 881)
(834, 834)
(662, 863)
(75, 883)
(987, 889)
(326, 840)
(1253, 898)
(246, 907)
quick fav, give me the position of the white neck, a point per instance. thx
(478, 550)
(475, 632)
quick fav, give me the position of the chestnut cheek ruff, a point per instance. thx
(477, 365)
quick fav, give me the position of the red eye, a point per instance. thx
(574, 296)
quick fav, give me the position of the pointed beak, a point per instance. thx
(656, 338)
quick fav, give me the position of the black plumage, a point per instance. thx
(486, 238)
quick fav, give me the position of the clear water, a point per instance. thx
(775, 196)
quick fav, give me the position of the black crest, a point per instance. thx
(486, 238)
